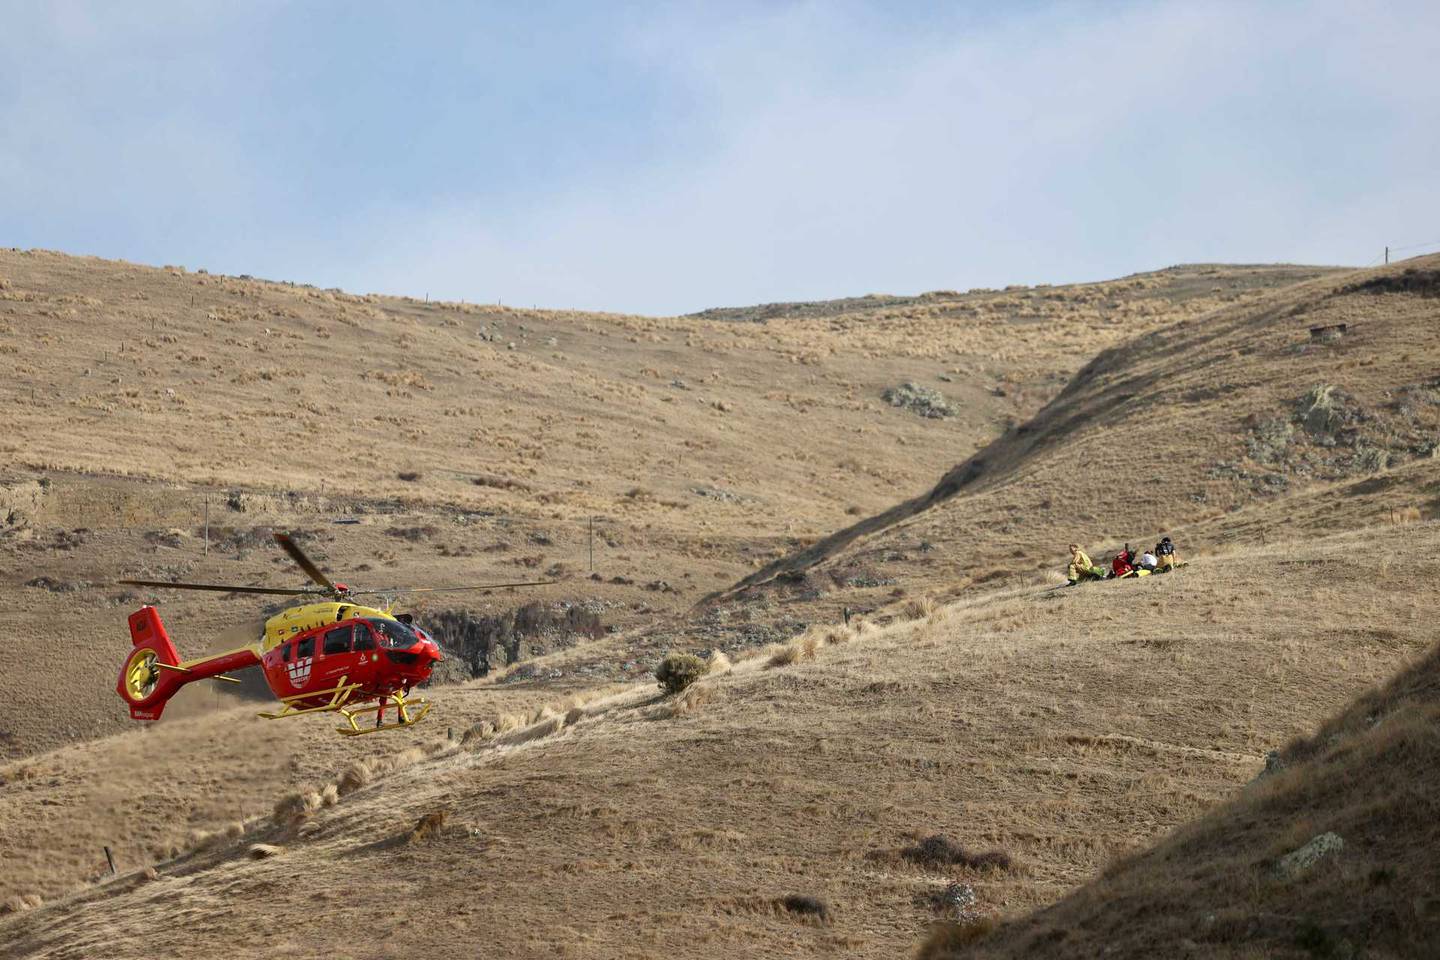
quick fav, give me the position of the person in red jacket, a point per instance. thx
(1123, 564)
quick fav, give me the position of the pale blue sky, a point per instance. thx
(669, 157)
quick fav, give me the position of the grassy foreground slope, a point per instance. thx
(1359, 794)
(1066, 730)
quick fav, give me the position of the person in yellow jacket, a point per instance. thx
(1080, 566)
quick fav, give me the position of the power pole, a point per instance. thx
(207, 524)
(1387, 255)
(592, 544)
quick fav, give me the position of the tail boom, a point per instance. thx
(153, 673)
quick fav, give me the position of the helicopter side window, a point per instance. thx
(305, 648)
(363, 638)
(337, 640)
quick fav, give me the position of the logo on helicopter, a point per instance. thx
(299, 671)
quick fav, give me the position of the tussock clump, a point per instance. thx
(427, 827)
(202, 840)
(718, 663)
(917, 608)
(947, 940)
(801, 648)
(782, 655)
(940, 851)
(295, 808)
(805, 906)
(542, 713)
(481, 731)
(687, 702)
(330, 795)
(364, 772)
(20, 903)
(264, 851)
(678, 670)
(534, 731)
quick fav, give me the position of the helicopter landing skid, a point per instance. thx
(340, 695)
(403, 709)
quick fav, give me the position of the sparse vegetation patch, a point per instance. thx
(939, 850)
(925, 401)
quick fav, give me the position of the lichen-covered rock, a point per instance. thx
(925, 401)
(1299, 862)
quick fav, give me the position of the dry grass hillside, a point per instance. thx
(1006, 768)
(1202, 427)
(235, 382)
(475, 443)
(785, 806)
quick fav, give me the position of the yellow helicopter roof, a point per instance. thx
(293, 620)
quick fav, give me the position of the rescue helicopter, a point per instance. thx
(330, 655)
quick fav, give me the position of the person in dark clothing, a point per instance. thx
(1165, 555)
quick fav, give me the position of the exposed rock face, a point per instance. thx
(480, 643)
(1299, 862)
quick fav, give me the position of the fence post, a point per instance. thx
(207, 524)
(592, 543)
(110, 859)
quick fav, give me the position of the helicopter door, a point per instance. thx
(334, 661)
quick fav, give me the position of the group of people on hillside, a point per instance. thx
(1126, 563)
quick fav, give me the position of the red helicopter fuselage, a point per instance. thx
(319, 656)
(379, 654)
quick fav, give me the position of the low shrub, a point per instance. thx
(678, 670)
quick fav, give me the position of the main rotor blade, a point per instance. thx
(298, 555)
(220, 587)
(478, 586)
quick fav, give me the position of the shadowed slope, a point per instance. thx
(1228, 885)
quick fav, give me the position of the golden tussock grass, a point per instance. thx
(686, 703)
(428, 827)
(799, 650)
(362, 773)
(19, 903)
(917, 608)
